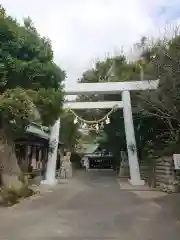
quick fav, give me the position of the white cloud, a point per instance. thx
(83, 30)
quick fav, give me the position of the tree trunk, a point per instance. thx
(11, 172)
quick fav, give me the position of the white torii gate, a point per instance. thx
(104, 88)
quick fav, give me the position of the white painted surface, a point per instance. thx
(176, 158)
(110, 87)
(86, 163)
(52, 156)
(130, 140)
(92, 105)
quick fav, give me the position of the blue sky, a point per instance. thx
(82, 31)
(168, 10)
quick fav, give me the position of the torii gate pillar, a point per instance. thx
(130, 140)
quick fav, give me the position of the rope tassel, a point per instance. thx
(96, 124)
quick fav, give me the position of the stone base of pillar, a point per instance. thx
(51, 183)
(136, 182)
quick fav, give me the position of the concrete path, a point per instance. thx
(91, 206)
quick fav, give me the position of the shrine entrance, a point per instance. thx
(122, 88)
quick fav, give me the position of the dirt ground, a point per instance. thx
(91, 206)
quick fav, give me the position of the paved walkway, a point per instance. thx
(91, 206)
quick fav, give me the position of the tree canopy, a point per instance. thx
(28, 73)
(31, 88)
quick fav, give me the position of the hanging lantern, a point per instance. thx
(76, 120)
(102, 125)
(107, 120)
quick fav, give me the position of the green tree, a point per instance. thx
(69, 133)
(163, 55)
(31, 87)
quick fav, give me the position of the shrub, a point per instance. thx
(25, 192)
(10, 196)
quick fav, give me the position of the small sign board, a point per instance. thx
(176, 158)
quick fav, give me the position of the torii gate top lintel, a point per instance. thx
(110, 87)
